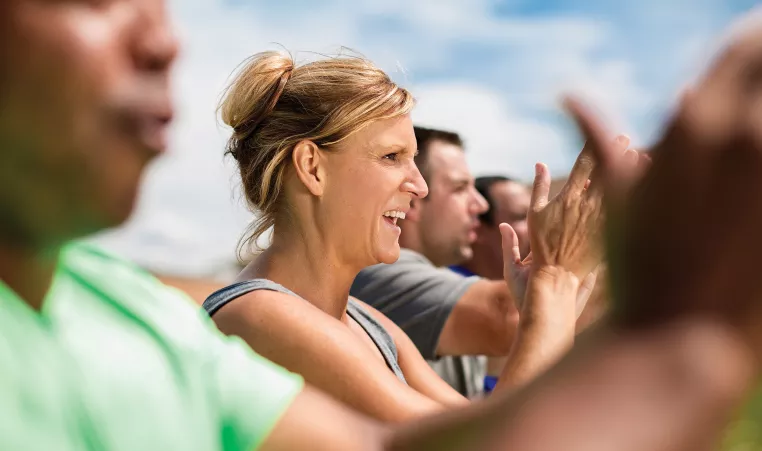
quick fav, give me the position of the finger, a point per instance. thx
(602, 146)
(622, 142)
(742, 44)
(712, 106)
(528, 259)
(636, 165)
(685, 95)
(631, 158)
(583, 172)
(540, 187)
(587, 285)
(580, 172)
(629, 163)
(585, 291)
(643, 165)
(510, 242)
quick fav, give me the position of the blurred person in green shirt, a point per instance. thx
(95, 354)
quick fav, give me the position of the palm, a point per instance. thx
(564, 231)
(517, 274)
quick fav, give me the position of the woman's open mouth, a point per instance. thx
(392, 216)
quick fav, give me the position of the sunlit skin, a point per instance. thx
(337, 201)
(698, 360)
(378, 164)
(332, 224)
(446, 221)
(84, 106)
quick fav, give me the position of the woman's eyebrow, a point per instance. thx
(393, 147)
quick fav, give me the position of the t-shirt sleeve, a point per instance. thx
(252, 394)
(416, 295)
(245, 394)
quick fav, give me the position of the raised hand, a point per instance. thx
(516, 271)
(567, 229)
(564, 231)
(687, 239)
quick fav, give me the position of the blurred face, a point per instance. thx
(511, 205)
(449, 216)
(370, 182)
(84, 106)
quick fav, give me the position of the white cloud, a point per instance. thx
(494, 79)
(498, 140)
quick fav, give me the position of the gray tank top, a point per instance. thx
(373, 328)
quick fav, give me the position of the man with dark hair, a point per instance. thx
(445, 220)
(508, 202)
(424, 136)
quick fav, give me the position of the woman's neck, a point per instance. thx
(309, 268)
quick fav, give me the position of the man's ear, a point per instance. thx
(308, 164)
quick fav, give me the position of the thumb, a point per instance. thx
(510, 242)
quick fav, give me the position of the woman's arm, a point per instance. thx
(546, 328)
(417, 371)
(662, 390)
(303, 339)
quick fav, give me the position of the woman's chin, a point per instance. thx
(389, 255)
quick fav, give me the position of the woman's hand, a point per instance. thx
(517, 271)
(565, 232)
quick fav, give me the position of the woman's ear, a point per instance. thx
(308, 163)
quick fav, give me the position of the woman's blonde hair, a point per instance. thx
(272, 104)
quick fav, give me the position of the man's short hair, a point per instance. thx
(483, 184)
(424, 137)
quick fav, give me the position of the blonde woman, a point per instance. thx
(325, 152)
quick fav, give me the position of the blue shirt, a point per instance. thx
(461, 270)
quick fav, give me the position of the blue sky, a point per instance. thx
(490, 70)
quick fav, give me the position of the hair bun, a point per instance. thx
(255, 91)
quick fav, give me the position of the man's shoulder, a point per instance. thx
(413, 271)
(87, 258)
(408, 257)
(411, 256)
(115, 280)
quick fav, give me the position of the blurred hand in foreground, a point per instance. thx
(686, 239)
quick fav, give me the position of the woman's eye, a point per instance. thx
(391, 156)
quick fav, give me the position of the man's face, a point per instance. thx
(449, 215)
(84, 106)
(511, 202)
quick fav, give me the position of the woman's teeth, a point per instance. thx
(395, 214)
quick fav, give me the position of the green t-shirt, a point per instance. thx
(116, 361)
